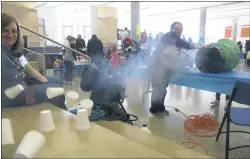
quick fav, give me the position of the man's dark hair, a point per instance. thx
(70, 38)
(94, 37)
(126, 28)
(172, 26)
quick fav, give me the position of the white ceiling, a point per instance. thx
(170, 10)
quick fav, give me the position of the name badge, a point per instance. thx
(23, 61)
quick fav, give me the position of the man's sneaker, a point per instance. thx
(215, 103)
(165, 112)
(158, 114)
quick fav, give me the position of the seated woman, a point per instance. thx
(16, 70)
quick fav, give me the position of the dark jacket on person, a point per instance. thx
(95, 46)
(80, 44)
(173, 39)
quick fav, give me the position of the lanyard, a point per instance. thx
(20, 70)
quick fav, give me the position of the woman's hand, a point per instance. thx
(44, 80)
(31, 72)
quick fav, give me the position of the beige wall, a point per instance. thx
(25, 16)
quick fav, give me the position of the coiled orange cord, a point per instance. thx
(202, 125)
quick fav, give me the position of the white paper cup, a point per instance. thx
(14, 91)
(87, 104)
(71, 99)
(32, 142)
(46, 121)
(54, 92)
(7, 132)
(82, 120)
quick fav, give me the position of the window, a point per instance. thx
(67, 31)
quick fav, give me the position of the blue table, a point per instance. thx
(220, 83)
(191, 77)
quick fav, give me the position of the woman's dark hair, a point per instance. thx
(5, 21)
(94, 37)
(70, 38)
(172, 26)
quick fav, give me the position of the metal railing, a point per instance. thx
(34, 32)
(33, 52)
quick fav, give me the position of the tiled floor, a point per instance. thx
(191, 102)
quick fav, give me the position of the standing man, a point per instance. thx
(80, 44)
(68, 58)
(95, 51)
(125, 34)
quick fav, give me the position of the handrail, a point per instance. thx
(32, 31)
(33, 52)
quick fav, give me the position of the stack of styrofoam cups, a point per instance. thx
(87, 104)
(54, 92)
(14, 91)
(32, 142)
(71, 99)
(46, 121)
(7, 132)
(82, 120)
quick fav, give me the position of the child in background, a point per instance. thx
(248, 59)
(114, 63)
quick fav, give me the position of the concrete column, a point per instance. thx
(203, 12)
(135, 19)
(94, 21)
(234, 29)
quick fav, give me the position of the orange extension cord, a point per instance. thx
(202, 125)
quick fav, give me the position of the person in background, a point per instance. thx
(190, 40)
(80, 44)
(184, 38)
(144, 38)
(247, 45)
(125, 34)
(150, 38)
(114, 63)
(68, 58)
(240, 46)
(217, 100)
(95, 51)
(17, 70)
(241, 50)
(248, 59)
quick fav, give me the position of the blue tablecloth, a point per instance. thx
(192, 77)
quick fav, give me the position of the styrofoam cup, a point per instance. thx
(71, 99)
(32, 142)
(14, 91)
(7, 132)
(82, 120)
(46, 121)
(54, 92)
(87, 104)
